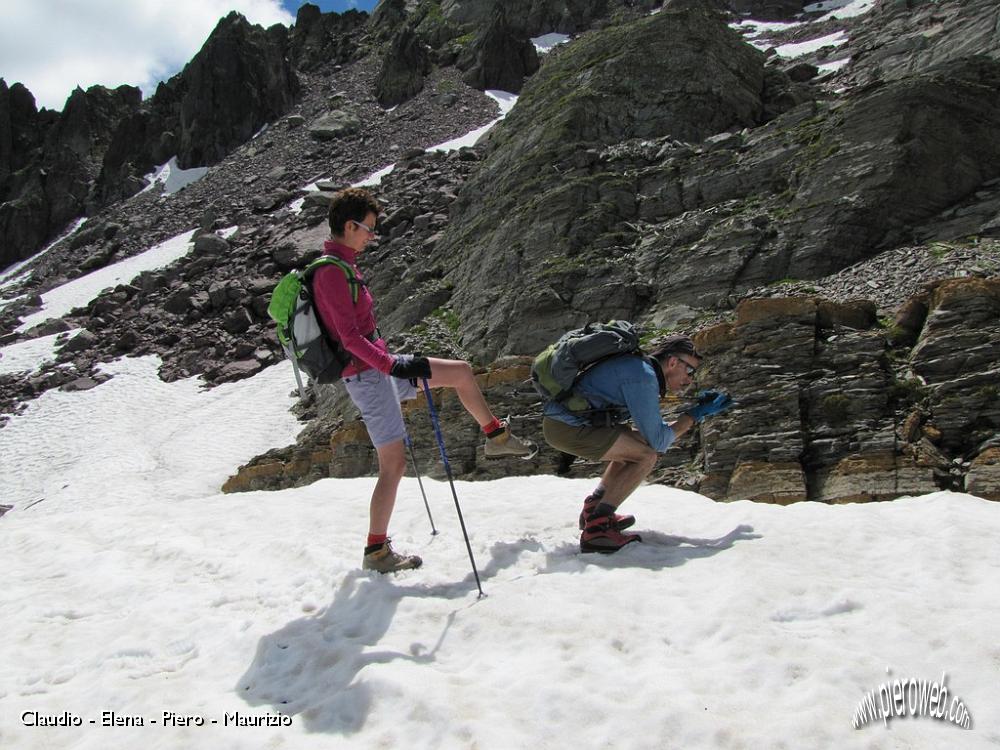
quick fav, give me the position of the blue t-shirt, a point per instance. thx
(625, 384)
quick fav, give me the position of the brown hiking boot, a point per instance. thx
(507, 444)
(384, 559)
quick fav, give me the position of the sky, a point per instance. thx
(52, 46)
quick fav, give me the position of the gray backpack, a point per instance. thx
(556, 371)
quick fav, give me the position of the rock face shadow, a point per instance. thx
(311, 668)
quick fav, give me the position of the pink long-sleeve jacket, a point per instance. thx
(352, 324)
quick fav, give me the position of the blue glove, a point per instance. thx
(710, 403)
(409, 367)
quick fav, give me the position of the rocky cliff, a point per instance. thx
(97, 149)
(832, 406)
(824, 221)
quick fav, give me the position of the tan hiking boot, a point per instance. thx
(385, 559)
(508, 444)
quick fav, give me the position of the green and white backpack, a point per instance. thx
(302, 336)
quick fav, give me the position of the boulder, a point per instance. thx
(180, 300)
(238, 321)
(80, 384)
(211, 244)
(239, 370)
(983, 479)
(336, 124)
(80, 342)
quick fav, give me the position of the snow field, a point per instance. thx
(135, 587)
(710, 636)
(28, 356)
(83, 290)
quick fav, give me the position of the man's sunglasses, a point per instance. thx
(689, 369)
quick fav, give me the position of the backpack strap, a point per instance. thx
(562, 396)
(353, 282)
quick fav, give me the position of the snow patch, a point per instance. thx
(832, 67)
(28, 356)
(172, 177)
(504, 99)
(547, 42)
(797, 49)
(137, 439)
(847, 10)
(375, 178)
(132, 585)
(79, 292)
(752, 28)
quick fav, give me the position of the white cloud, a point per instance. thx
(51, 46)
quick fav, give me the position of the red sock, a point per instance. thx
(495, 426)
(376, 539)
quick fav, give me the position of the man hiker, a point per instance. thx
(626, 387)
(378, 380)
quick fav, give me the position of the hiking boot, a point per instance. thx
(600, 535)
(384, 559)
(506, 443)
(590, 505)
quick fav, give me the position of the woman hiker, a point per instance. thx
(378, 380)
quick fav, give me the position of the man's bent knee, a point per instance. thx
(631, 449)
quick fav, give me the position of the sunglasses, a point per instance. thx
(688, 368)
(360, 225)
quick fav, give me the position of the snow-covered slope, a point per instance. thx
(131, 586)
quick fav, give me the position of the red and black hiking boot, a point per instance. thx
(601, 535)
(590, 505)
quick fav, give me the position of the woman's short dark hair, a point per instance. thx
(350, 204)
(673, 345)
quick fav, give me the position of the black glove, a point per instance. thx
(409, 367)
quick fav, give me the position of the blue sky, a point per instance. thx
(52, 47)
(336, 6)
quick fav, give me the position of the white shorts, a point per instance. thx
(377, 396)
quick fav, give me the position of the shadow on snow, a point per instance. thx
(656, 552)
(309, 667)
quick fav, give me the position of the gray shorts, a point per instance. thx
(377, 396)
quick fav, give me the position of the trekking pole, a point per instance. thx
(451, 481)
(295, 369)
(416, 470)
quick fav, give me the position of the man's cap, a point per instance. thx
(677, 343)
